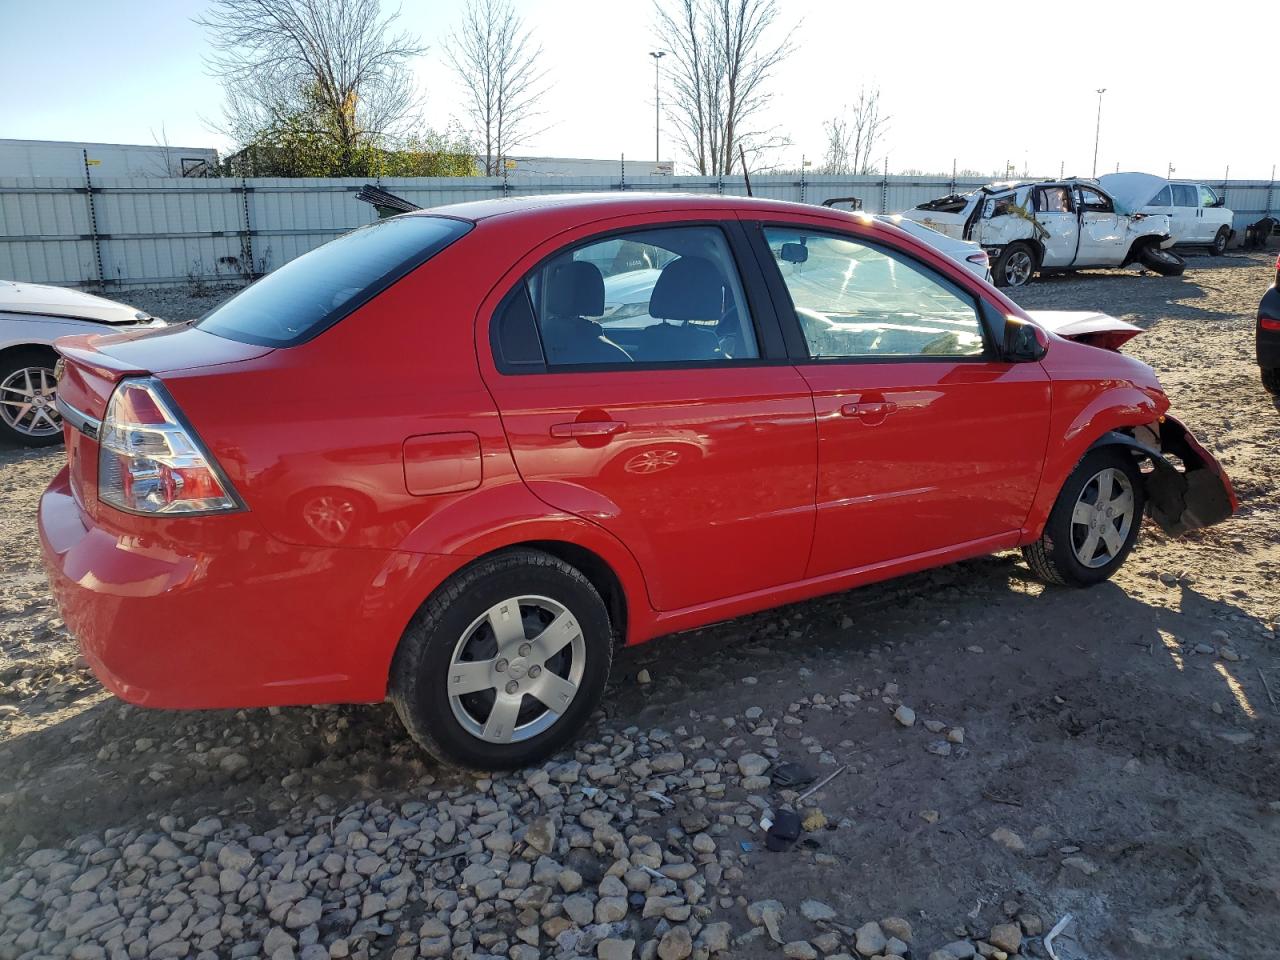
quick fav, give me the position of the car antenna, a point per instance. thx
(745, 176)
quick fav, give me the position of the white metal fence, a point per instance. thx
(157, 232)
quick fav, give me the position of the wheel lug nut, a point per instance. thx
(524, 649)
(500, 666)
(534, 670)
(512, 686)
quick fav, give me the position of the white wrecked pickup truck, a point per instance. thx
(1051, 225)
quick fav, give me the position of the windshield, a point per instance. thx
(315, 291)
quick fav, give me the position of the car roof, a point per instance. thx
(603, 204)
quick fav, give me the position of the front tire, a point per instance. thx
(1015, 266)
(1220, 240)
(27, 391)
(1094, 524)
(504, 663)
(1161, 261)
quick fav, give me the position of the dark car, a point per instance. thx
(1269, 337)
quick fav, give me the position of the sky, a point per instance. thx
(961, 82)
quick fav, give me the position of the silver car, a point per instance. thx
(32, 316)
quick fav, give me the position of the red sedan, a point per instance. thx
(456, 458)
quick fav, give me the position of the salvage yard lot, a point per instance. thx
(1118, 742)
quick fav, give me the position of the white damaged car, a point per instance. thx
(32, 316)
(1049, 226)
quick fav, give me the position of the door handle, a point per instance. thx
(588, 428)
(875, 410)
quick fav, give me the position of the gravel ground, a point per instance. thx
(1005, 755)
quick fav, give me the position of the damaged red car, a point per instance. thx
(457, 458)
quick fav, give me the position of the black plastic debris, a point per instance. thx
(783, 832)
(791, 775)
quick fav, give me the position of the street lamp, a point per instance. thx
(657, 113)
(1097, 130)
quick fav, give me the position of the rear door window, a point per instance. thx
(660, 295)
(1162, 199)
(307, 295)
(1184, 195)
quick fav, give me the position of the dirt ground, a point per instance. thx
(1119, 742)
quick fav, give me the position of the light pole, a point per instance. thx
(657, 111)
(1097, 131)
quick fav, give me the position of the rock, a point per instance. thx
(615, 949)
(611, 909)
(277, 939)
(752, 764)
(540, 835)
(960, 950)
(667, 762)
(1032, 925)
(934, 726)
(799, 950)
(570, 881)
(905, 715)
(1226, 653)
(1082, 864)
(897, 927)
(580, 909)
(956, 734)
(938, 748)
(930, 816)
(643, 677)
(676, 944)
(233, 763)
(767, 914)
(303, 913)
(715, 937)
(1009, 840)
(870, 939)
(815, 910)
(1006, 936)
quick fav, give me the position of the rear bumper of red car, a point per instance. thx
(228, 617)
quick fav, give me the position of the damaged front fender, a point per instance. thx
(1183, 496)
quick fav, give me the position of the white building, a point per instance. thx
(64, 158)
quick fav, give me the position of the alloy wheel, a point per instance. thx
(1102, 517)
(516, 669)
(27, 402)
(1017, 269)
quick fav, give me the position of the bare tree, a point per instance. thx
(336, 67)
(854, 135)
(497, 61)
(724, 53)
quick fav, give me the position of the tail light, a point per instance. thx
(149, 460)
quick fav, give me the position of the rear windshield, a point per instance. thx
(315, 291)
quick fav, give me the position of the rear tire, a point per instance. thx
(469, 675)
(1161, 261)
(1271, 380)
(1015, 267)
(27, 391)
(1094, 523)
(1220, 240)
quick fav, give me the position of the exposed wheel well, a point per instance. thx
(1135, 250)
(42, 348)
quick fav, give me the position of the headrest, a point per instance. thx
(690, 288)
(575, 289)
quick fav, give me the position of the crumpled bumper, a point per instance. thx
(1199, 495)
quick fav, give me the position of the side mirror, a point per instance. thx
(1023, 342)
(794, 253)
(1220, 202)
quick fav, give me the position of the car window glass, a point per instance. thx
(857, 300)
(1002, 206)
(1094, 201)
(663, 295)
(1053, 200)
(315, 291)
(1184, 195)
(1207, 197)
(1162, 199)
